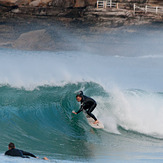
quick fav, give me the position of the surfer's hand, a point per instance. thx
(45, 158)
(74, 112)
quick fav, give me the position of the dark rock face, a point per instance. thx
(8, 3)
(54, 3)
(73, 3)
(159, 2)
(63, 3)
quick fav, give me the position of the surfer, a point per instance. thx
(16, 152)
(19, 153)
(87, 104)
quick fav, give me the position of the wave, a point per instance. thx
(42, 119)
(45, 113)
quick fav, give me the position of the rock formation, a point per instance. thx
(54, 3)
(34, 40)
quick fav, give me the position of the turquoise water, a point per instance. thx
(40, 121)
(37, 96)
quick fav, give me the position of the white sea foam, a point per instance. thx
(133, 110)
(8, 159)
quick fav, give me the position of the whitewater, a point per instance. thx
(37, 96)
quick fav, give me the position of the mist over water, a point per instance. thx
(123, 74)
(32, 69)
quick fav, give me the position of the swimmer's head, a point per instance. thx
(78, 98)
(11, 146)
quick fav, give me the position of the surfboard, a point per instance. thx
(91, 122)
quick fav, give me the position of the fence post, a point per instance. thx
(134, 8)
(156, 9)
(104, 4)
(97, 4)
(146, 8)
(110, 3)
(117, 5)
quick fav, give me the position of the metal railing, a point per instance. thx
(148, 9)
(145, 8)
(106, 4)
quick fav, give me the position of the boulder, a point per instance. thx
(37, 3)
(16, 11)
(34, 40)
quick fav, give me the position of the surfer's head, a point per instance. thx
(78, 98)
(80, 93)
(11, 146)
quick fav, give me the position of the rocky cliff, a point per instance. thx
(54, 3)
(58, 8)
(158, 2)
(24, 23)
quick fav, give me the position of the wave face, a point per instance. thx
(42, 119)
(37, 96)
(43, 116)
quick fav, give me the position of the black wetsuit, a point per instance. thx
(19, 153)
(89, 105)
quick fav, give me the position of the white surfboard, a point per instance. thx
(91, 122)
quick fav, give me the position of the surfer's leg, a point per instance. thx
(90, 110)
(91, 115)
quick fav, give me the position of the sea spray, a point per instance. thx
(137, 110)
(32, 69)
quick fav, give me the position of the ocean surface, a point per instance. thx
(37, 96)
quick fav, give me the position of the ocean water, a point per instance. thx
(37, 96)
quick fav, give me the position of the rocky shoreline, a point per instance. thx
(23, 25)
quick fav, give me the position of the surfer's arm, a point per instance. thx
(74, 112)
(28, 154)
(81, 109)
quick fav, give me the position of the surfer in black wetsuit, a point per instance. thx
(18, 153)
(87, 104)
